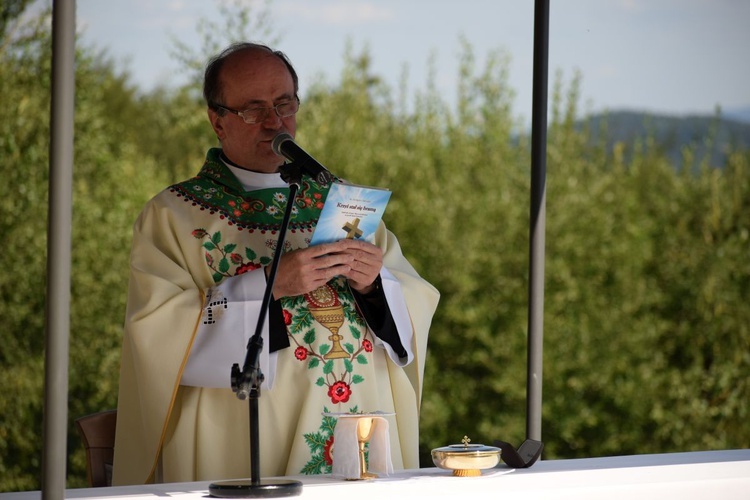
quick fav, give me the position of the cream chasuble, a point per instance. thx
(187, 242)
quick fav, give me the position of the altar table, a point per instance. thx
(701, 475)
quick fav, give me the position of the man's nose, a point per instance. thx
(273, 120)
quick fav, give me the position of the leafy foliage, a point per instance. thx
(111, 183)
(647, 332)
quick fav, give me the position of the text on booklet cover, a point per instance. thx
(350, 211)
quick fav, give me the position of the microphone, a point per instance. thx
(284, 145)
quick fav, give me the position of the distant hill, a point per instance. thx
(707, 135)
(738, 114)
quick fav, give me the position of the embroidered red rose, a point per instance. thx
(339, 392)
(317, 196)
(319, 204)
(300, 353)
(250, 266)
(308, 202)
(232, 203)
(237, 213)
(287, 317)
(328, 451)
(367, 345)
(199, 233)
(244, 205)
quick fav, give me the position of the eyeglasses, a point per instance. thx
(259, 114)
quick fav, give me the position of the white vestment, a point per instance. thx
(195, 288)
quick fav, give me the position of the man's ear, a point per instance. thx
(217, 123)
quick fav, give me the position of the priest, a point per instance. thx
(346, 330)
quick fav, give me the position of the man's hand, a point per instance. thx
(367, 260)
(304, 270)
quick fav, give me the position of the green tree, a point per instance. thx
(644, 352)
(23, 194)
(111, 183)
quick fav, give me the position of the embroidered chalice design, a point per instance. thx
(326, 309)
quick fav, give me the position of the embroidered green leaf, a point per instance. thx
(349, 348)
(309, 337)
(329, 425)
(216, 237)
(250, 254)
(316, 441)
(324, 349)
(352, 315)
(361, 359)
(356, 379)
(316, 465)
(328, 367)
(209, 246)
(320, 382)
(314, 362)
(294, 302)
(355, 332)
(264, 261)
(217, 277)
(229, 247)
(224, 265)
(348, 365)
(304, 320)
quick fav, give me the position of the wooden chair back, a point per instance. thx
(98, 434)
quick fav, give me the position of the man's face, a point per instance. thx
(252, 79)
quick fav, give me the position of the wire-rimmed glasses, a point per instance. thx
(258, 114)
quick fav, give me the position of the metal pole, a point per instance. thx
(59, 219)
(538, 220)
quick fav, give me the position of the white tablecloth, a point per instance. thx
(704, 475)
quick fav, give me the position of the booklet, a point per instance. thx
(350, 211)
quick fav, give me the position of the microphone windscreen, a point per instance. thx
(278, 141)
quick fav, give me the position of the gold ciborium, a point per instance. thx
(466, 460)
(365, 427)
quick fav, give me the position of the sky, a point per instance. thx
(675, 57)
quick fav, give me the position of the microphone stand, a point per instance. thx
(246, 382)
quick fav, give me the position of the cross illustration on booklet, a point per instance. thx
(352, 229)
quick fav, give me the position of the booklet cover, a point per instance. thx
(350, 211)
